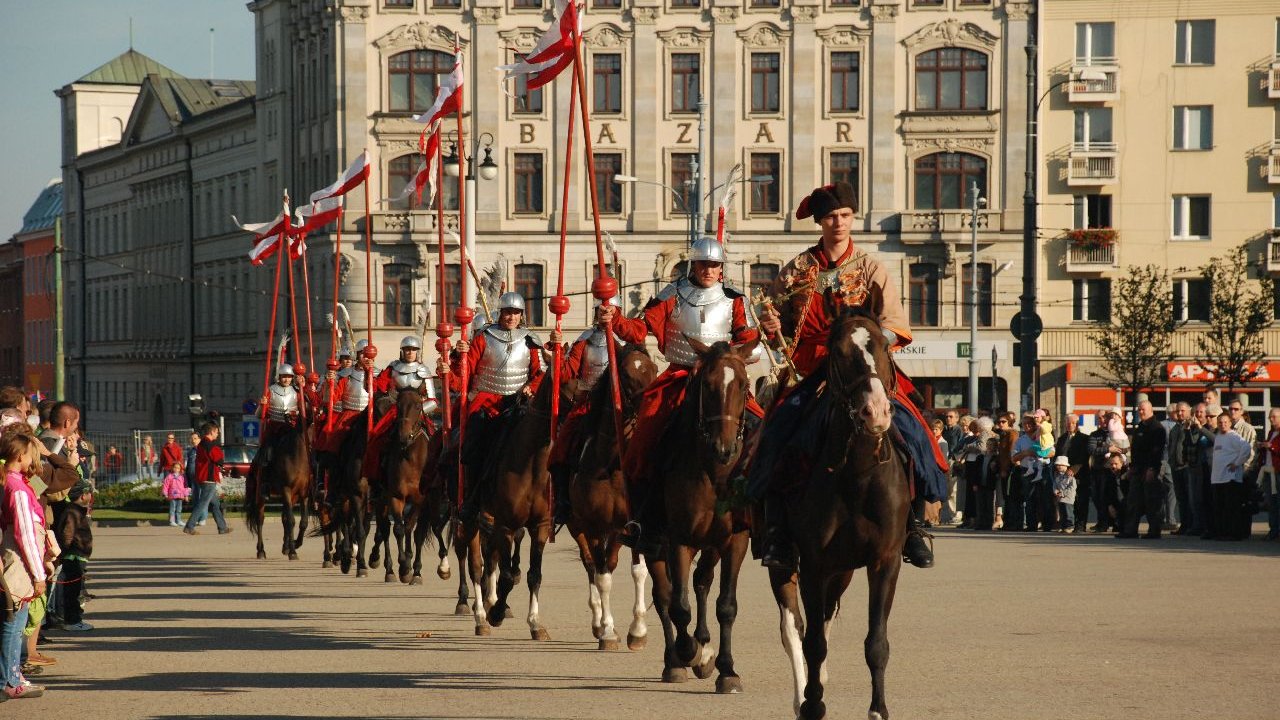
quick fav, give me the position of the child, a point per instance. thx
(1044, 444)
(75, 534)
(1064, 489)
(23, 523)
(175, 491)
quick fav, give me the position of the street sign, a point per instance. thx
(1037, 326)
(249, 407)
(964, 350)
(250, 428)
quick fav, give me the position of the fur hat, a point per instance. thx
(822, 201)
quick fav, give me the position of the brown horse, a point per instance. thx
(851, 513)
(349, 511)
(706, 435)
(599, 497)
(404, 495)
(284, 473)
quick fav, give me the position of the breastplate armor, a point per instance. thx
(702, 313)
(595, 358)
(356, 396)
(504, 367)
(283, 403)
(409, 375)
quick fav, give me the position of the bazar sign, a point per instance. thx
(1195, 372)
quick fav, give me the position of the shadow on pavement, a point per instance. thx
(1255, 546)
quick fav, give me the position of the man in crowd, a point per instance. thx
(1269, 473)
(953, 434)
(1230, 454)
(171, 453)
(1074, 446)
(1180, 472)
(208, 478)
(1198, 445)
(1099, 442)
(1145, 494)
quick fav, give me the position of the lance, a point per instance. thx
(464, 314)
(281, 246)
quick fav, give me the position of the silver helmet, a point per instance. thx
(361, 345)
(411, 341)
(706, 249)
(345, 352)
(512, 300)
(615, 301)
(284, 369)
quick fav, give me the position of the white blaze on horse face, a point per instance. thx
(877, 407)
(861, 337)
(795, 653)
(729, 377)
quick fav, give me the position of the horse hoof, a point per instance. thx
(539, 634)
(507, 614)
(262, 555)
(443, 574)
(597, 632)
(728, 684)
(405, 578)
(374, 563)
(609, 644)
(496, 617)
(483, 631)
(462, 609)
(293, 556)
(326, 564)
(389, 577)
(345, 565)
(707, 667)
(674, 675)
(637, 642)
(361, 572)
(517, 577)
(415, 580)
(813, 710)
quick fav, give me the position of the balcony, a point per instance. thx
(1273, 252)
(1091, 251)
(951, 226)
(1273, 164)
(1092, 164)
(1094, 80)
(1273, 79)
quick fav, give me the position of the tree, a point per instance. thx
(1136, 344)
(1239, 311)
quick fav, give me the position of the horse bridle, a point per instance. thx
(705, 428)
(847, 404)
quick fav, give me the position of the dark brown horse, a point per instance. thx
(349, 511)
(285, 473)
(851, 513)
(404, 495)
(599, 498)
(706, 442)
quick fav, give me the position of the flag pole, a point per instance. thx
(293, 321)
(275, 305)
(306, 293)
(333, 337)
(370, 351)
(560, 303)
(444, 329)
(464, 314)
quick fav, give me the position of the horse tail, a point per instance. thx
(253, 506)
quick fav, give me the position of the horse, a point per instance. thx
(704, 444)
(285, 473)
(598, 493)
(852, 513)
(349, 512)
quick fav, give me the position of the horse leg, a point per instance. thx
(499, 577)
(672, 670)
(537, 545)
(703, 575)
(464, 586)
(360, 534)
(303, 517)
(813, 594)
(442, 569)
(587, 556)
(260, 512)
(791, 627)
(835, 589)
(607, 562)
(679, 558)
(377, 512)
(475, 564)
(516, 575)
(286, 518)
(419, 528)
(395, 517)
(638, 633)
(727, 613)
(882, 583)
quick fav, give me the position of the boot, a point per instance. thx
(779, 551)
(560, 484)
(916, 550)
(644, 532)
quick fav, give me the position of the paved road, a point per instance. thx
(1011, 627)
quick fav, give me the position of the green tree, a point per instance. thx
(1136, 344)
(1239, 311)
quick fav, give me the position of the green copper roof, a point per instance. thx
(128, 68)
(46, 208)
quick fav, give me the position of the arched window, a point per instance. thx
(397, 288)
(400, 172)
(413, 78)
(943, 180)
(951, 79)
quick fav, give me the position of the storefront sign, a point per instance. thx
(1191, 372)
(952, 350)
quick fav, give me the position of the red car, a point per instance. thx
(236, 460)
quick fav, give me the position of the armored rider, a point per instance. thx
(809, 290)
(351, 397)
(404, 372)
(697, 306)
(281, 401)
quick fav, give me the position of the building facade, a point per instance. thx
(1174, 145)
(37, 240)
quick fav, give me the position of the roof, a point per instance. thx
(45, 210)
(127, 68)
(185, 98)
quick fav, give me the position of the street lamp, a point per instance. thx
(488, 170)
(975, 201)
(682, 200)
(1028, 323)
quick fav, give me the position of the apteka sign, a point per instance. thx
(1195, 372)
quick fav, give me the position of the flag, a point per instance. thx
(262, 230)
(726, 199)
(554, 51)
(354, 175)
(421, 177)
(448, 97)
(318, 214)
(267, 236)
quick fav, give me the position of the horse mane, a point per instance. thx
(601, 395)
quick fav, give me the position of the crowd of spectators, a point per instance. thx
(47, 538)
(1202, 471)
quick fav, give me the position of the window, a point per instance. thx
(527, 101)
(1191, 216)
(762, 276)
(1191, 299)
(844, 3)
(1093, 128)
(1194, 42)
(452, 283)
(397, 294)
(527, 4)
(446, 3)
(844, 82)
(765, 3)
(397, 3)
(1095, 43)
(943, 180)
(984, 294)
(1091, 300)
(951, 79)
(1092, 211)
(528, 190)
(1192, 127)
(414, 77)
(922, 294)
(400, 172)
(529, 285)
(686, 3)
(606, 4)
(766, 70)
(682, 181)
(766, 196)
(1275, 212)
(608, 193)
(844, 168)
(606, 92)
(686, 82)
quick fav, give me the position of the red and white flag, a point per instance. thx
(354, 175)
(448, 96)
(318, 214)
(726, 199)
(267, 236)
(554, 51)
(421, 178)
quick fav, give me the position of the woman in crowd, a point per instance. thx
(147, 458)
(22, 520)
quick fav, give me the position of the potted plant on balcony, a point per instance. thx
(1091, 238)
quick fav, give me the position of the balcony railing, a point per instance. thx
(1273, 80)
(948, 221)
(1093, 90)
(1273, 254)
(1092, 164)
(1273, 165)
(1094, 258)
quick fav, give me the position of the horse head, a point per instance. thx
(858, 365)
(720, 385)
(636, 371)
(408, 416)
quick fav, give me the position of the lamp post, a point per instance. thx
(692, 212)
(488, 171)
(975, 201)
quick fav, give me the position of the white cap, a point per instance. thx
(1061, 461)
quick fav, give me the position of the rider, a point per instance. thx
(587, 361)
(842, 276)
(697, 306)
(503, 363)
(281, 401)
(351, 398)
(405, 372)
